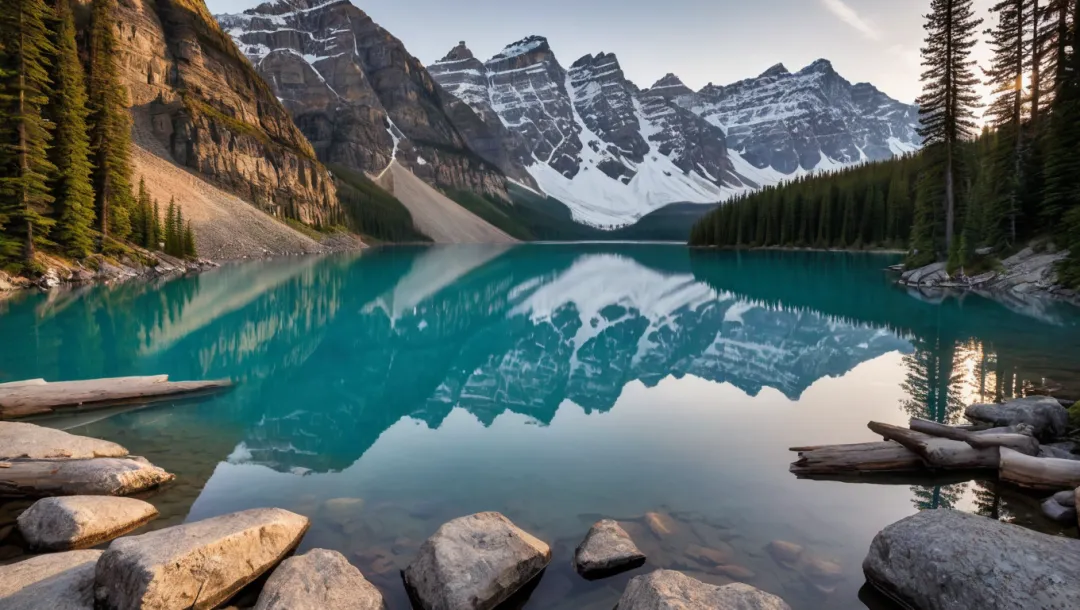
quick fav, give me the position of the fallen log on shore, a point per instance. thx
(880, 457)
(37, 397)
(1052, 474)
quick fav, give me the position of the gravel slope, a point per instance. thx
(436, 215)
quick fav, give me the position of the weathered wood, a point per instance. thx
(38, 399)
(940, 430)
(858, 458)
(1038, 473)
(30, 478)
(939, 452)
(17, 384)
(1023, 443)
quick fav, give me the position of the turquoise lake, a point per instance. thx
(384, 393)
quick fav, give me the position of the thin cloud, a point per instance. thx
(852, 18)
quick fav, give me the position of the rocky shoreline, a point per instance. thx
(1023, 274)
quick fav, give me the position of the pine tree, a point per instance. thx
(1062, 194)
(946, 107)
(71, 183)
(158, 229)
(170, 227)
(189, 242)
(140, 216)
(25, 200)
(110, 134)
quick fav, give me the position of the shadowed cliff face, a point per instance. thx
(362, 99)
(195, 96)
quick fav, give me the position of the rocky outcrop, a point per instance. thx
(169, 568)
(1025, 273)
(319, 580)
(474, 562)
(25, 478)
(362, 98)
(1048, 419)
(60, 581)
(37, 442)
(664, 589)
(79, 522)
(214, 114)
(1061, 507)
(943, 559)
(606, 550)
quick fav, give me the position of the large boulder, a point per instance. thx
(1049, 419)
(944, 559)
(606, 550)
(93, 477)
(671, 590)
(60, 581)
(79, 522)
(319, 580)
(474, 563)
(196, 565)
(30, 441)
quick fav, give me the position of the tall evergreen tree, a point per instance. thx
(158, 229)
(111, 131)
(140, 216)
(71, 183)
(946, 107)
(25, 199)
(189, 242)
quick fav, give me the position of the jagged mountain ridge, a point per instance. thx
(593, 140)
(363, 99)
(614, 152)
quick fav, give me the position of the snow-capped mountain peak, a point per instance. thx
(613, 152)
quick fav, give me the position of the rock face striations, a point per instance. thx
(613, 152)
(362, 99)
(192, 91)
(803, 121)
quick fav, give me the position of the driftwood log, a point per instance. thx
(36, 397)
(1038, 473)
(855, 459)
(937, 452)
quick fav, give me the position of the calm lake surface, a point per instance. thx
(383, 394)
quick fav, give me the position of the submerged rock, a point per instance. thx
(60, 581)
(667, 589)
(78, 522)
(196, 565)
(660, 524)
(30, 441)
(785, 553)
(709, 556)
(1056, 511)
(1049, 419)
(945, 559)
(91, 477)
(319, 580)
(607, 549)
(475, 563)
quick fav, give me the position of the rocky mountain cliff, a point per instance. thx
(193, 92)
(613, 152)
(804, 121)
(592, 139)
(363, 100)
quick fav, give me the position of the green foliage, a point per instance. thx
(371, 210)
(71, 183)
(188, 242)
(110, 134)
(863, 207)
(25, 132)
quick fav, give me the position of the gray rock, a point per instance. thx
(319, 580)
(1046, 415)
(920, 274)
(475, 563)
(670, 590)
(60, 581)
(79, 522)
(945, 560)
(196, 565)
(30, 441)
(93, 477)
(607, 548)
(1065, 498)
(1061, 451)
(984, 251)
(1056, 511)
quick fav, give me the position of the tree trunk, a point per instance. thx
(24, 157)
(939, 452)
(1036, 59)
(1049, 474)
(950, 209)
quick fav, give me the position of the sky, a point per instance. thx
(701, 41)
